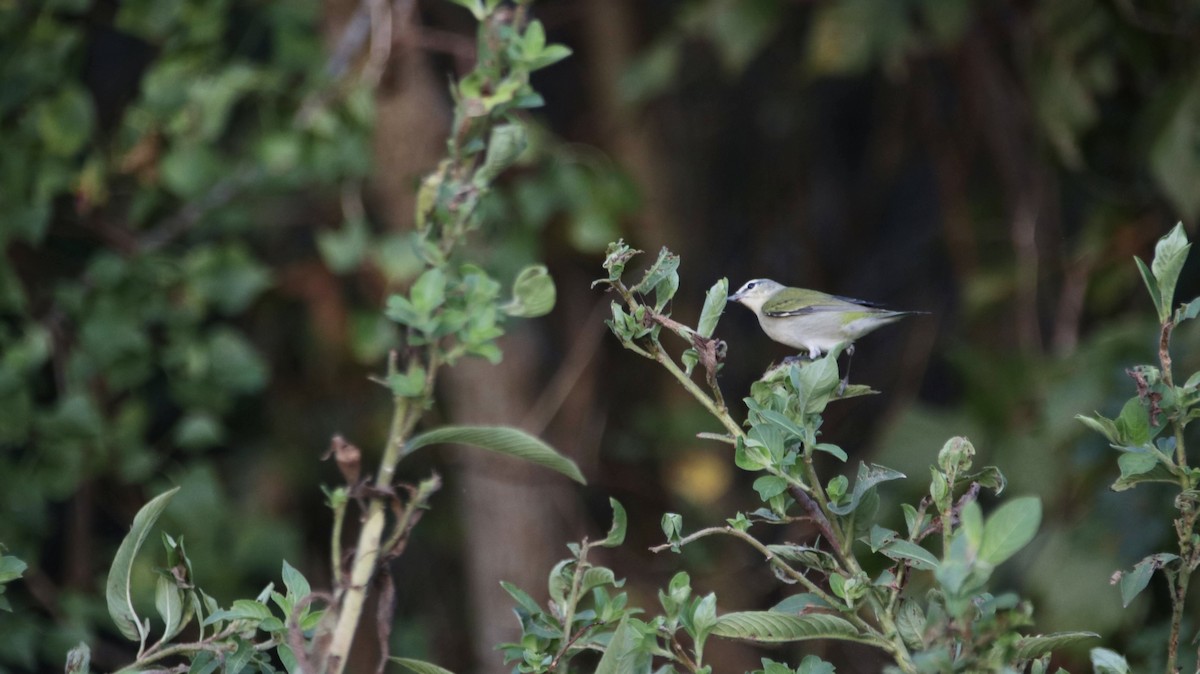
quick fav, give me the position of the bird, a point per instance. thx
(813, 321)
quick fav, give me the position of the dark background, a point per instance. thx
(996, 164)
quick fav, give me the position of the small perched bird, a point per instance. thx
(812, 321)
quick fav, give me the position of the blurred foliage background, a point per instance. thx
(204, 202)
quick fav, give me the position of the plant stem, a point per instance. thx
(719, 412)
(366, 552)
(335, 546)
(1185, 527)
(572, 599)
(775, 561)
(210, 644)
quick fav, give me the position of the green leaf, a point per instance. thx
(242, 609)
(420, 666)
(1134, 581)
(429, 291)
(1152, 286)
(1101, 425)
(236, 661)
(1159, 473)
(616, 256)
(714, 306)
(533, 293)
(228, 277)
(777, 419)
(549, 55)
(11, 568)
(771, 627)
(500, 439)
(829, 448)
(598, 576)
(120, 574)
(1133, 464)
(665, 266)
(704, 618)
(1033, 646)
(1187, 312)
(343, 249)
(868, 477)
(168, 599)
(506, 143)
(910, 623)
(917, 556)
(770, 486)
(188, 169)
(622, 655)
(1133, 424)
(1010, 528)
(1169, 256)
(295, 582)
(65, 120)
(1105, 661)
(798, 603)
(616, 533)
(815, 382)
(521, 597)
(672, 527)
(989, 477)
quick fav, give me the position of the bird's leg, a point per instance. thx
(846, 377)
(800, 358)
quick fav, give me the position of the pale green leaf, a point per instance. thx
(11, 568)
(616, 533)
(1033, 646)
(1135, 580)
(506, 143)
(1105, 661)
(1169, 256)
(120, 574)
(420, 666)
(295, 582)
(771, 627)
(168, 600)
(917, 556)
(65, 120)
(1010, 528)
(1101, 425)
(503, 440)
(622, 656)
(868, 477)
(1152, 286)
(1133, 464)
(714, 305)
(533, 293)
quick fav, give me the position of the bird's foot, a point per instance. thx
(842, 386)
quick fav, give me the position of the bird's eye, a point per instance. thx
(751, 285)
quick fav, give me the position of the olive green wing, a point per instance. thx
(800, 301)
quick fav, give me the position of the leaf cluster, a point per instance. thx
(1149, 436)
(928, 607)
(234, 639)
(132, 233)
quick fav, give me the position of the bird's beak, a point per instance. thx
(734, 297)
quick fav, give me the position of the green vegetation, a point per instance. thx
(196, 261)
